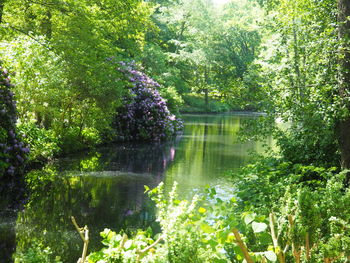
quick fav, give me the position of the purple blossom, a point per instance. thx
(12, 148)
(25, 150)
(144, 115)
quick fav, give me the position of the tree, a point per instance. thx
(60, 50)
(299, 69)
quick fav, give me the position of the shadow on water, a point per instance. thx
(11, 201)
(105, 188)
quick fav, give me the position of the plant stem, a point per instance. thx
(242, 246)
(84, 234)
(275, 240)
(296, 253)
(307, 246)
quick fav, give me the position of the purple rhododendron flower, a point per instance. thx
(144, 115)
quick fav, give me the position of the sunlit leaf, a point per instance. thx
(207, 228)
(249, 218)
(270, 255)
(258, 227)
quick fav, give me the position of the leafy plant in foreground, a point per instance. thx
(191, 231)
(309, 208)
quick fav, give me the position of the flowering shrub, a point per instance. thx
(12, 151)
(144, 114)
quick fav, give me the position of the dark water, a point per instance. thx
(105, 188)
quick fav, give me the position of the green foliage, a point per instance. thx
(299, 72)
(121, 249)
(47, 104)
(173, 99)
(182, 231)
(36, 253)
(43, 143)
(299, 144)
(191, 231)
(207, 50)
(60, 52)
(196, 103)
(308, 202)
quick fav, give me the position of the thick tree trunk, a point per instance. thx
(344, 80)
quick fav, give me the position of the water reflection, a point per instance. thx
(102, 190)
(209, 148)
(105, 188)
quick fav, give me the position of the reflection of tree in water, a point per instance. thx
(113, 199)
(12, 198)
(7, 238)
(152, 158)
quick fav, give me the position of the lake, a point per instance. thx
(104, 188)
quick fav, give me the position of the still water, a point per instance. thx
(105, 188)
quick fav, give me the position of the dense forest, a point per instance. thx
(79, 75)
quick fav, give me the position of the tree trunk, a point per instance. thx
(297, 81)
(206, 90)
(344, 80)
(47, 24)
(2, 3)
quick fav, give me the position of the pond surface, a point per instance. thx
(105, 188)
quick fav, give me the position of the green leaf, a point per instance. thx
(258, 227)
(206, 228)
(249, 218)
(146, 189)
(128, 244)
(219, 260)
(270, 255)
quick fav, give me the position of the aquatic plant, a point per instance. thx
(144, 114)
(13, 151)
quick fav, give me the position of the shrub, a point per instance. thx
(12, 150)
(43, 143)
(310, 204)
(144, 114)
(36, 253)
(313, 143)
(173, 99)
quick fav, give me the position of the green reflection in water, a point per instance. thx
(105, 188)
(98, 200)
(209, 148)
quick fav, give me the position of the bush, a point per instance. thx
(36, 253)
(13, 151)
(173, 99)
(144, 115)
(43, 143)
(76, 108)
(310, 205)
(313, 143)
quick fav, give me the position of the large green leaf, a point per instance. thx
(258, 227)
